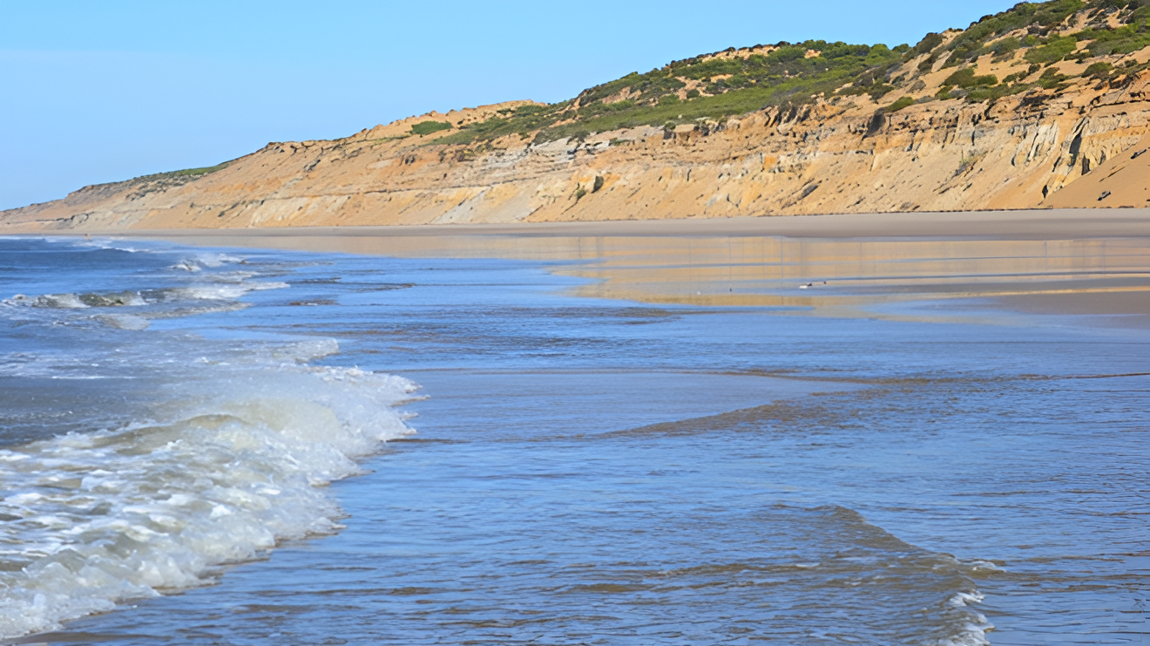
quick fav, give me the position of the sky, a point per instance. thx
(94, 92)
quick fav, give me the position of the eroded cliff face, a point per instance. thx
(843, 157)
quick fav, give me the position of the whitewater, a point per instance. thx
(179, 453)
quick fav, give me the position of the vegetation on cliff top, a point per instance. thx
(429, 127)
(187, 172)
(740, 81)
(181, 176)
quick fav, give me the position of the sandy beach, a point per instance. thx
(922, 266)
(1047, 224)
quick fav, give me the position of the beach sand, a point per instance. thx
(905, 266)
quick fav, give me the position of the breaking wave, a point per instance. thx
(135, 461)
(225, 465)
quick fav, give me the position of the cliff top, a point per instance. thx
(1031, 48)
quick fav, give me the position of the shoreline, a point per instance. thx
(1029, 224)
(901, 266)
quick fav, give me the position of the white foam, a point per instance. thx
(133, 299)
(973, 631)
(77, 301)
(125, 321)
(226, 291)
(206, 260)
(965, 599)
(217, 259)
(229, 466)
(111, 244)
(60, 301)
(186, 265)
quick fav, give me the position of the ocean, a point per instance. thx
(257, 446)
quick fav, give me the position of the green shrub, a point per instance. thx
(961, 78)
(928, 44)
(1124, 40)
(604, 108)
(904, 102)
(599, 92)
(1057, 11)
(965, 78)
(980, 94)
(1099, 71)
(1052, 79)
(738, 81)
(1053, 51)
(879, 90)
(429, 127)
(713, 67)
(1005, 47)
(786, 54)
(187, 172)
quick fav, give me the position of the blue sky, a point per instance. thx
(95, 92)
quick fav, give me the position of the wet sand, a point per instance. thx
(1047, 224)
(935, 266)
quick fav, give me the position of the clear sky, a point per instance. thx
(98, 91)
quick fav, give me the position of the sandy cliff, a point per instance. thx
(1067, 146)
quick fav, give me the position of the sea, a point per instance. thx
(255, 446)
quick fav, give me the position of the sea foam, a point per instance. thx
(227, 464)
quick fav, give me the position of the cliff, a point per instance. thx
(1042, 106)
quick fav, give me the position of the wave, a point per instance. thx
(194, 262)
(49, 301)
(106, 244)
(228, 464)
(219, 292)
(974, 628)
(207, 293)
(206, 260)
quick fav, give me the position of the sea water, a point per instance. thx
(226, 447)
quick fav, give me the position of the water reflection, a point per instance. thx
(838, 277)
